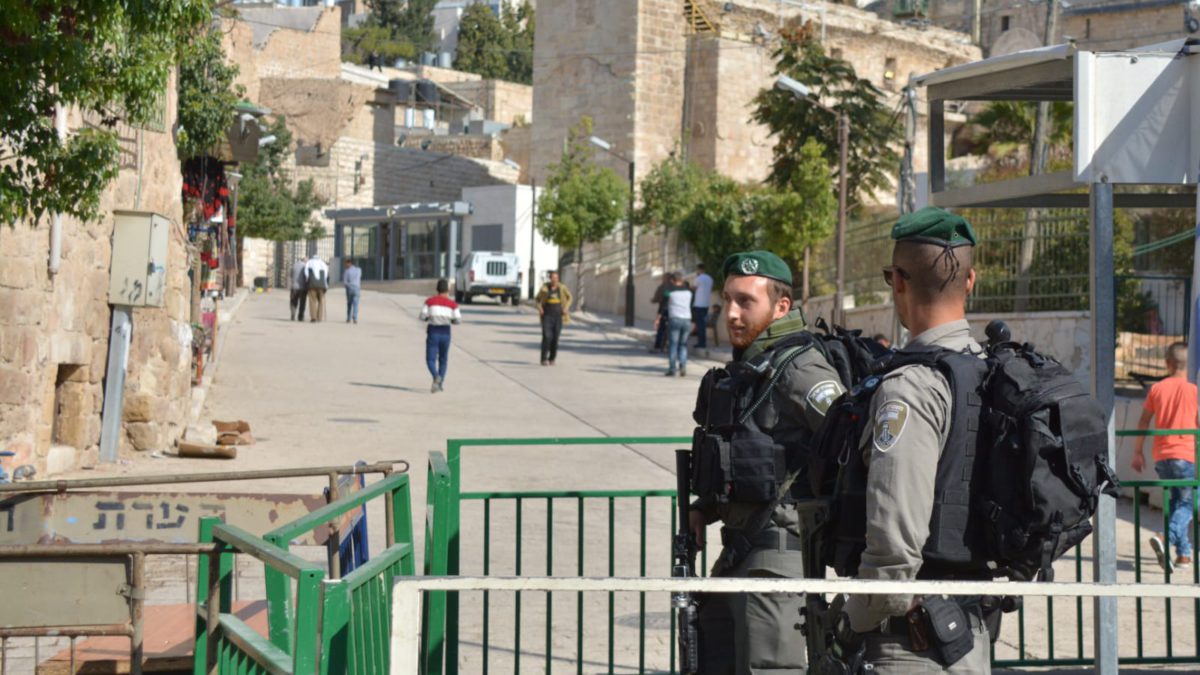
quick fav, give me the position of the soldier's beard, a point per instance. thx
(743, 332)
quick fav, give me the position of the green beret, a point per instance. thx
(758, 264)
(932, 225)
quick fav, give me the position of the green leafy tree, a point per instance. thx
(359, 44)
(413, 23)
(720, 222)
(669, 192)
(268, 206)
(109, 59)
(207, 95)
(583, 202)
(496, 47)
(873, 132)
(797, 219)
(521, 25)
(484, 42)
(1006, 127)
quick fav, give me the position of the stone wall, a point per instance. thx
(54, 339)
(463, 145)
(506, 102)
(584, 64)
(283, 42)
(319, 111)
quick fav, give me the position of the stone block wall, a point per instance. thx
(584, 64)
(506, 102)
(54, 338)
(287, 42)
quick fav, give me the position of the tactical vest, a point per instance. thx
(955, 546)
(732, 458)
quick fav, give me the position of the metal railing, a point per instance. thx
(1044, 635)
(333, 625)
(408, 592)
(453, 520)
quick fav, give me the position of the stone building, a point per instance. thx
(371, 137)
(1005, 26)
(54, 337)
(657, 75)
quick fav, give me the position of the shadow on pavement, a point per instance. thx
(384, 386)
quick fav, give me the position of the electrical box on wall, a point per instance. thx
(139, 259)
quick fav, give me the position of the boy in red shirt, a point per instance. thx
(1172, 404)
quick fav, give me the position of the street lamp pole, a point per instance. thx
(629, 286)
(801, 91)
(629, 292)
(532, 240)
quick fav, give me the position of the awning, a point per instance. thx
(375, 214)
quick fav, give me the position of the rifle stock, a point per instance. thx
(684, 550)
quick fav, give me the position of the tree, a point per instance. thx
(484, 42)
(1006, 127)
(583, 202)
(111, 60)
(873, 132)
(414, 23)
(794, 220)
(719, 223)
(669, 192)
(496, 47)
(369, 40)
(207, 95)
(521, 25)
(268, 207)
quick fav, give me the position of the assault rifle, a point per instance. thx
(826, 656)
(684, 550)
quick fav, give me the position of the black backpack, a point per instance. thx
(1031, 470)
(754, 470)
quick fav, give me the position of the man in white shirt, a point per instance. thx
(317, 274)
(701, 299)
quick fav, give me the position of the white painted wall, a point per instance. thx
(512, 207)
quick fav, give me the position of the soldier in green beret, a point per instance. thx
(908, 432)
(778, 390)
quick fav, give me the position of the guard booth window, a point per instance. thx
(425, 251)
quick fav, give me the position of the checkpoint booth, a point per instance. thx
(1136, 123)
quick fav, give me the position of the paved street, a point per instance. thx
(335, 393)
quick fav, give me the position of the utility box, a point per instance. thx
(139, 259)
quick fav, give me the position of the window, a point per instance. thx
(1004, 20)
(889, 69)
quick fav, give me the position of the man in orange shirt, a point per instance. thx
(1172, 404)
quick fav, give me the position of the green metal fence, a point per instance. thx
(316, 621)
(1056, 633)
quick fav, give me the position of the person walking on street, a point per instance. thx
(701, 298)
(299, 287)
(316, 274)
(907, 442)
(439, 311)
(554, 307)
(659, 299)
(679, 324)
(1171, 404)
(352, 278)
(783, 388)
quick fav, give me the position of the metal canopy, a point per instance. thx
(1044, 74)
(375, 214)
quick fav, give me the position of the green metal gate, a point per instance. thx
(1054, 634)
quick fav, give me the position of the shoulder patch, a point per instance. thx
(823, 394)
(890, 420)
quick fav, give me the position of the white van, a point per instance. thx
(490, 273)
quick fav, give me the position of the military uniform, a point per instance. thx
(908, 427)
(752, 634)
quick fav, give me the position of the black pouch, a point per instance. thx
(950, 634)
(710, 459)
(755, 466)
